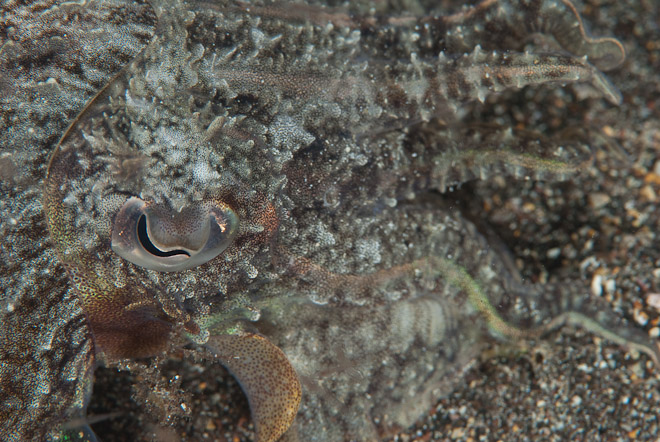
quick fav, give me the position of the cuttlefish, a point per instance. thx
(269, 182)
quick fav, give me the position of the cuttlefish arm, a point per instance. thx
(267, 378)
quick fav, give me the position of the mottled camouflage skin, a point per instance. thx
(52, 61)
(332, 134)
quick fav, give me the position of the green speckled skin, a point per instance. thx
(334, 135)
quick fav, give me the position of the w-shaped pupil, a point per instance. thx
(149, 246)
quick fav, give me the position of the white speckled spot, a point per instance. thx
(285, 131)
(368, 249)
(203, 173)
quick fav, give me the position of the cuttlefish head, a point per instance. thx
(150, 265)
(151, 247)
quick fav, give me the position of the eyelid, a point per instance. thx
(155, 238)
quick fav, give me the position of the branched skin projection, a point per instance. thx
(268, 182)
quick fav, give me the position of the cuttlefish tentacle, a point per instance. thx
(564, 307)
(428, 85)
(485, 152)
(510, 20)
(267, 378)
(514, 20)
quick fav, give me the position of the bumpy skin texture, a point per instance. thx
(52, 61)
(331, 135)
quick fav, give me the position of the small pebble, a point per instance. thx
(653, 300)
(610, 286)
(597, 285)
(598, 200)
(656, 167)
(641, 317)
(648, 194)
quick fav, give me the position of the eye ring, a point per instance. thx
(157, 238)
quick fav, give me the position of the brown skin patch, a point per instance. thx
(131, 331)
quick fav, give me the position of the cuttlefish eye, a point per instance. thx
(158, 238)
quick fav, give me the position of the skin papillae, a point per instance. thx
(349, 273)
